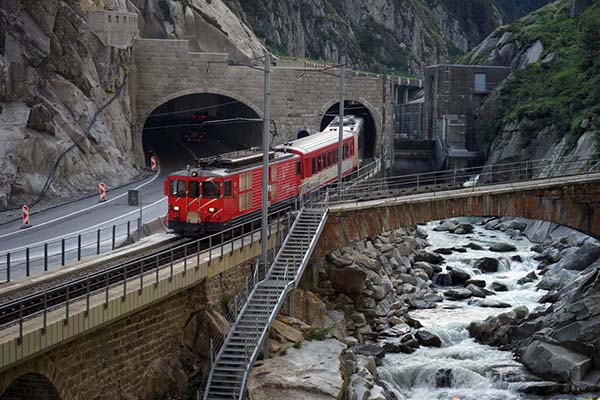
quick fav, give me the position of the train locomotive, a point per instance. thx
(225, 190)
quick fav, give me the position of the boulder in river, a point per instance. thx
(555, 362)
(476, 291)
(499, 287)
(530, 277)
(501, 247)
(443, 378)
(458, 294)
(477, 282)
(474, 246)
(428, 339)
(487, 264)
(489, 303)
(443, 250)
(428, 257)
(581, 258)
(459, 276)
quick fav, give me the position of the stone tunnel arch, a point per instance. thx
(195, 123)
(31, 386)
(359, 108)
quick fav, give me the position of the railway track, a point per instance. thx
(16, 309)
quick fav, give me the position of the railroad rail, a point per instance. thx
(17, 311)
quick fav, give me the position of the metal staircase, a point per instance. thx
(229, 372)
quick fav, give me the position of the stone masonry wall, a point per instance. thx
(575, 205)
(125, 359)
(165, 69)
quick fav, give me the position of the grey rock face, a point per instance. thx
(487, 264)
(555, 362)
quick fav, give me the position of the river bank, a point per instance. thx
(399, 312)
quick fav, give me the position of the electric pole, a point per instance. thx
(265, 175)
(341, 120)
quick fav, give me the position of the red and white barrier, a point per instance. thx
(25, 216)
(102, 190)
(154, 163)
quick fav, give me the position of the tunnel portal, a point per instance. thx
(199, 125)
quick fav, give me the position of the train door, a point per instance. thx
(193, 202)
(272, 184)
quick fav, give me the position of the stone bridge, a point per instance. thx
(114, 350)
(301, 94)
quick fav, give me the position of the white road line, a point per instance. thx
(79, 211)
(89, 228)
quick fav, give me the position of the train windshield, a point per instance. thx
(347, 122)
(178, 188)
(211, 189)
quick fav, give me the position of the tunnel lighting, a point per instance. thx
(175, 208)
(212, 209)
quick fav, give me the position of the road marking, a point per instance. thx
(89, 228)
(79, 211)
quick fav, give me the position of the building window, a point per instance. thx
(109, 18)
(480, 83)
(117, 19)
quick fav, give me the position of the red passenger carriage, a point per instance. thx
(225, 190)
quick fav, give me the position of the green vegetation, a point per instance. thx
(562, 92)
(298, 344)
(317, 333)
(226, 300)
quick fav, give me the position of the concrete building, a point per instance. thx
(452, 93)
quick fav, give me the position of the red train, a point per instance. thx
(225, 190)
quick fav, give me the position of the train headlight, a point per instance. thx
(175, 208)
(212, 209)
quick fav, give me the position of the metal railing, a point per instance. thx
(132, 274)
(25, 261)
(464, 178)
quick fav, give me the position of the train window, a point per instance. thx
(335, 154)
(194, 189)
(329, 159)
(324, 160)
(178, 188)
(211, 190)
(319, 164)
(298, 168)
(314, 166)
(249, 181)
(248, 200)
(242, 182)
(227, 189)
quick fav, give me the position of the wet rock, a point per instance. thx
(428, 257)
(460, 249)
(477, 282)
(581, 258)
(458, 294)
(499, 287)
(459, 276)
(425, 267)
(555, 362)
(530, 277)
(463, 229)
(502, 247)
(412, 322)
(442, 279)
(428, 339)
(487, 264)
(445, 251)
(543, 388)
(433, 298)
(370, 350)
(474, 246)
(476, 291)
(489, 303)
(517, 258)
(443, 378)
(446, 226)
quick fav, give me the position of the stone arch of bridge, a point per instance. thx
(371, 142)
(225, 100)
(34, 380)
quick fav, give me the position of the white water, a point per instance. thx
(476, 368)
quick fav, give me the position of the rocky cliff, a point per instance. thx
(54, 75)
(548, 107)
(405, 34)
